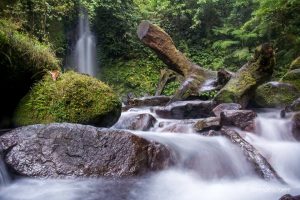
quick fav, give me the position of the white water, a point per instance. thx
(209, 168)
(85, 50)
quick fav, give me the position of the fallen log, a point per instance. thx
(162, 44)
(261, 165)
(240, 88)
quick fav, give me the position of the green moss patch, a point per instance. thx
(293, 78)
(275, 94)
(74, 98)
(23, 61)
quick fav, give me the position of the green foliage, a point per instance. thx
(19, 50)
(139, 77)
(72, 98)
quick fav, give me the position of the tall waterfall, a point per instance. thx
(85, 50)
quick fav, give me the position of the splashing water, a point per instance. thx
(208, 168)
(85, 50)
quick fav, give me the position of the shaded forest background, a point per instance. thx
(213, 33)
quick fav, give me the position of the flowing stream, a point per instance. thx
(209, 168)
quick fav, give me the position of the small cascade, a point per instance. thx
(4, 177)
(84, 56)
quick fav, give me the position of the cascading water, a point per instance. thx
(210, 168)
(85, 51)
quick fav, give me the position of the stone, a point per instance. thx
(225, 106)
(295, 106)
(141, 122)
(73, 150)
(207, 123)
(275, 95)
(290, 197)
(146, 102)
(185, 110)
(73, 98)
(293, 78)
(260, 164)
(243, 119)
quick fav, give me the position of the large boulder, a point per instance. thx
(243, 119)
(74, 98)
(73, 150)
(293, 78)
(141, 122)
(23, 61)
(275, 94)
(185, 110)
(240, 87)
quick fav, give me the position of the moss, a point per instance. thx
(292, 77)
(23, 61)
(74, 98)
(240, 87)
(295, 64)
(275, 94)
(139, 77)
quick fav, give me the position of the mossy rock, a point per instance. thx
(73, 97)
(23, 61)
(292, 77)
(295, 64)
(275, 94)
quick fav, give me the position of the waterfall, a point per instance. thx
(84, 57)
(4, 177)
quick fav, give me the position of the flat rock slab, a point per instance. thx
(141, 122)
(146, 102)
(226, 106)
(243, 119)
(72, 150)
(207, 123)
(185, 110)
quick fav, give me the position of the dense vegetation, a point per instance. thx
(213, 33)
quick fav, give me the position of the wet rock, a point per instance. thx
(243, 119)
(290, 197)
(142, 122)
(224, 76)
(260, 164)
(73, 150)
(275, 94)
(296, 126)
(182, 126)
(185, 110)
(207, 123)
(292, 77)
(146, 101)
(226, 106)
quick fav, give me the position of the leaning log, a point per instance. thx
(162, 44)
(241, 86)
(260, 164)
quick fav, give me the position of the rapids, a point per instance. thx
(208, 168)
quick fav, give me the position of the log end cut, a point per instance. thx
(143, 29)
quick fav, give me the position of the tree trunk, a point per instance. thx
(162, 44)
(241, 86)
